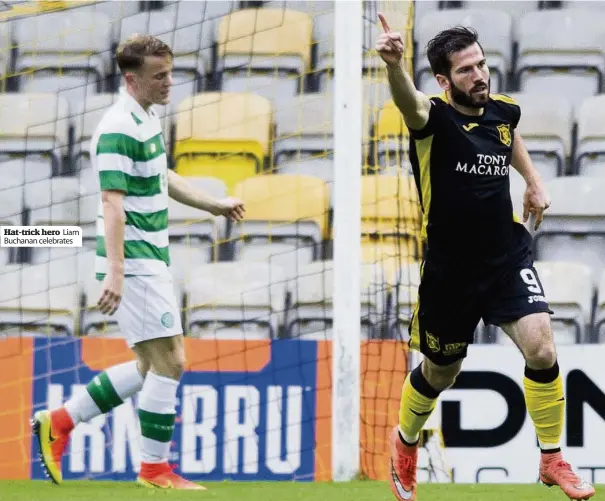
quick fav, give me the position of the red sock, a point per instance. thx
(61, 421)
(153, 469)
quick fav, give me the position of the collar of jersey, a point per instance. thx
(476, 118)
(131, 104)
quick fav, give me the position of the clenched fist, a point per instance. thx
(389, 45)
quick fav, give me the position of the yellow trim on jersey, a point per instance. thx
(415, 327)
(442, 96)
(496, 97)
(504, 98)
(423, 152)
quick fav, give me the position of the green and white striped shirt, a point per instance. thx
(128, 152)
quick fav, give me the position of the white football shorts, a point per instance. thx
(148, 309)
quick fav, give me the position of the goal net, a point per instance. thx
(251, 116)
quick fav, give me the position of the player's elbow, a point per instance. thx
(416, 113)
(112, 196)
(113, 201)
(416, 120)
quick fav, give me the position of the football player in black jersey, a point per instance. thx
(477, 262)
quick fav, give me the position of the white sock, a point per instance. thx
(157, 410)
(549, 447)
(105, 392)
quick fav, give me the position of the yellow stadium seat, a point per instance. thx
(390, 122)
(390, 209)
(388, 253)
(391, 138)
(223, 135)
(265, 51)
(265, 31)
(387, 202)
(283, 207)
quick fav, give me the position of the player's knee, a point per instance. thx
(178, 366)
(441, 377)
(541, 356)
(143, 366)
(171, 364)
(539, 349)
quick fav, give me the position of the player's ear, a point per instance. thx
(129, 77)
(443, 82)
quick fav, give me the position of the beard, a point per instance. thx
(469, 99)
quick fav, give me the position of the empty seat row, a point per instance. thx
(235, 135)
(293, 211)
(255, 300)
(264, 50)
(49, 199)
(288, 211)
(269, 50)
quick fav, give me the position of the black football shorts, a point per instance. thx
(452, 300)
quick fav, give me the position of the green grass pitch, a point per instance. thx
(24, 490)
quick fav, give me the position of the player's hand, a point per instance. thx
(231, 208)
(389, 45)
(111, 294)
(535, 201)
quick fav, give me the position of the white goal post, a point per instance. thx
(348, 39)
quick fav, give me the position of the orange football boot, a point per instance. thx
(404, 460)
(161, 476)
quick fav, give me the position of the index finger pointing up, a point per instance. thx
(383, 21)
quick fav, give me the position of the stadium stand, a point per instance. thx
(561, 50)
(189, 28)
(195, 234)
(265, 51)
(590, 148)
(309, 315)
(390, 213)
(56, 55)
(391, 138)
(287, 209)
(35, 124)
(235, 300)
(305, 133)
(573, 227)
(544, 127)
(214, 130)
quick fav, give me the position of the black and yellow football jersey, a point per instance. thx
(461, 167)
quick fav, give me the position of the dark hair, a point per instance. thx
(131, 53)
(440, 48)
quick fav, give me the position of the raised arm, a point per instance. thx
(413, 104)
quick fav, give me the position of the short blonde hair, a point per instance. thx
(131, 53)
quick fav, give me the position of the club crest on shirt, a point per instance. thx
(167, 320)
(504, 131)
(432, 342)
